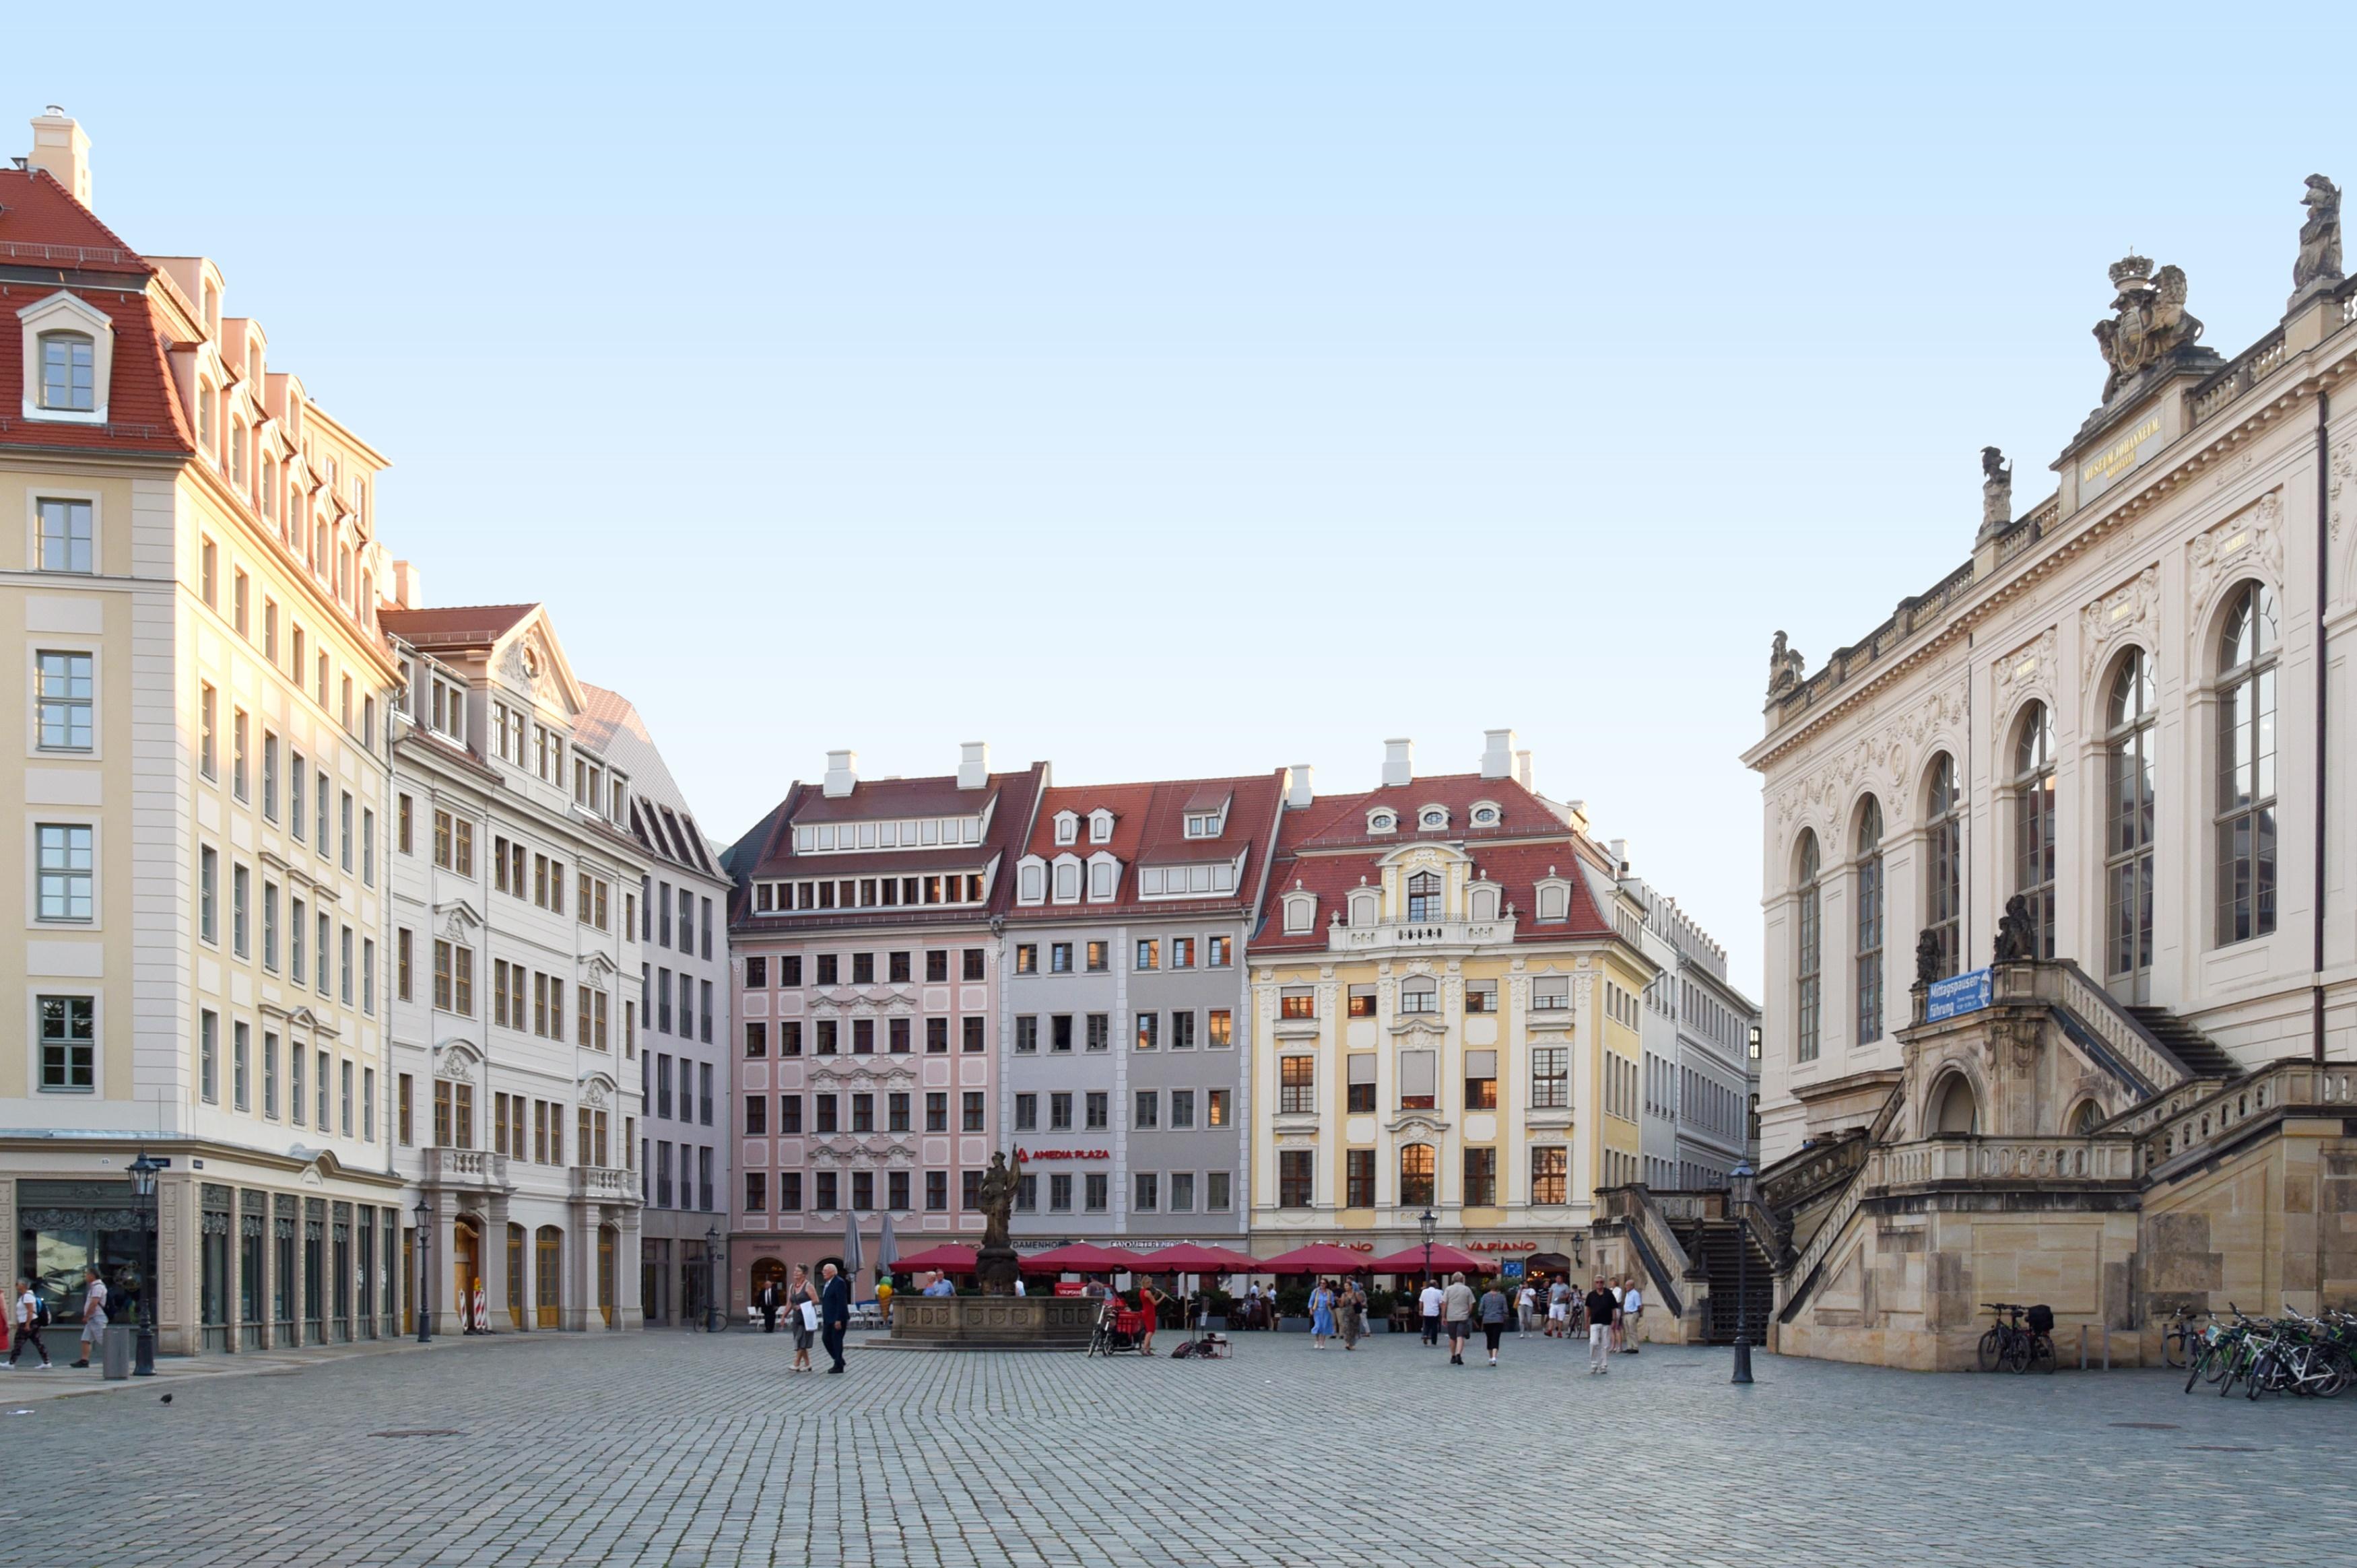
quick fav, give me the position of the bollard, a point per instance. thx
(2082, 1346)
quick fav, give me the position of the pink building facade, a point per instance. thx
(868, 990)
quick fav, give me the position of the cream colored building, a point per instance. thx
(1446, 988)
(2130, 711)
(203, 782)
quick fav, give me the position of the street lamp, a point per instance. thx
(1738, 1196)
(425, 1277)
(715, 1317)
(1427, 1222)
(143, 1184)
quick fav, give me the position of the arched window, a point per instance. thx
(1806, 964)
(1955, 1110)
(236, 453)
(2033, 823)
(2128, 834)
(1416, 1176)
(2245, 810)
(1943, 904)
(1067, 880)
(269, 468)
(1423, 897)
(205, 416)
(1869, 921)
(1032, 882)
(2083, 1121)
(70, 372)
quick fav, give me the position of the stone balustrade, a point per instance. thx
(1420, 934)
(2190, 1121)
(466, 1167)
(2092, 1158)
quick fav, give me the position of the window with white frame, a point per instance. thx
(1432, 817)
(64, 695)
(1100, 826)
(1382, 821)
(67, 888)
(1068, 827)
(66, 535)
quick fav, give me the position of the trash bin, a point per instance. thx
(114, 1356)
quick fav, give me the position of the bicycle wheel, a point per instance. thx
(2016, 1354)
(2262, 1376)
(2202, 1359)
(1992, 1349)
(2041, 1352)
(2173, 1348)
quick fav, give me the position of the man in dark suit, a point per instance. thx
(833, 1314)
(767, 1301)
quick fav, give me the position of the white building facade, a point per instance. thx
(515, 975)
(1699, 1077)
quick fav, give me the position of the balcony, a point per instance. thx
(473, 1170)
(1419, 934)
(605, 1183)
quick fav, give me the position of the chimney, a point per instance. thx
(1621, 854)
(1496, 753)
(1524, 774)
(974, 765)
(1576, 814)
(1399, 762)
(1298, 790)
(60, 147)
(842, 773)
(406, 591)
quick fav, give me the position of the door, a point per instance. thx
(468, 1271)
(515, 1275)
(548, 1256)
(605, 1274)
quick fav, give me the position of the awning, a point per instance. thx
(944, 1259)
(1318, 1258)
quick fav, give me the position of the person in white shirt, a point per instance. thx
(1526, 1301)
(1429, 1303)
(1558, 1310)
(93, 1314)
(28, 1325)
(1617, 1288)
(1633, 1321)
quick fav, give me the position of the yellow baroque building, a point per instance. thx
(1446, 1001)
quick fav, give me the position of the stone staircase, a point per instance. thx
(2202, 1056)
(1717, 1248)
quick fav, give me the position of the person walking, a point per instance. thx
(1352, 1314)
(1618, 1285)
(1429, 1302)
(833, 1312)
(1493, 1308)
(1456, 1307)
(1632, 1317)
(1559, 1309)
(803, 1303)
(765, 1300)
(27, 1317)
(93, 1314)
(1600, 1311)
(1321, 1315)
(1526, 1309)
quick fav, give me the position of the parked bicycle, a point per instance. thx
(2182, 1339)
(2022, 1338)
(2313, 1357)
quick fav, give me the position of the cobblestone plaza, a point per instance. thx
(559, 1448)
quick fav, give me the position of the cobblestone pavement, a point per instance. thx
(682, 1449)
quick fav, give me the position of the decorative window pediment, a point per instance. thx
(1300, 912)
(1383, 820)
(68, 360)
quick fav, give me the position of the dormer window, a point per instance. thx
(1554, 897)
(1202, 825)
(1485, 814)
(1300, 912)
(68, 371)
(1067, 880)
(1068, 827)
(1031, 882)
(1104, 873)
(1423, 895)
(1432, 818)
(1382, 821)
(1101, 826)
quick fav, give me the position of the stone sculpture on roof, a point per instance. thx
(1997, 492)
(2149, 321)
(1785, 667)
(2319, 237)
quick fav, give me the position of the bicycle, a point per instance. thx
(2180, 1341)
(2014, 1346)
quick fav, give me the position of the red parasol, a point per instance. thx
(1318, 1258)
(944, 1259)
(1188, 1258)
(1445, 1259)
(1080, 1258)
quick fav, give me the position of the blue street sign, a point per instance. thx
(1957, 995)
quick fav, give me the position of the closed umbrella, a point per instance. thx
(888, 1247)
(851, 1253)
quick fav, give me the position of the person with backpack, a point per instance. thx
(31, 1317)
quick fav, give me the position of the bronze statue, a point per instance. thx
(2149, 321)
(1931, 958)
(2319, 237)
(2015, 938)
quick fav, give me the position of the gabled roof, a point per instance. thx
(454, 626)
(42, 225)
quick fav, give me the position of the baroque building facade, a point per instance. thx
(1123, 1012)
(2092, 794)
(203, 780)
(866, 941)
(515, 973)
(685, 1007)
(1446, 988)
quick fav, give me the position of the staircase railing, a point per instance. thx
(2185, 1124)
(2119, 1031)
(1659, 1252)
(1811, 1260)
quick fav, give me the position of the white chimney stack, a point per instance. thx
(1524, 774)
(842, 773)
(1399, 763)
(406, 590)
(1621, 854)
(974, 765)
(1298, 792)
(60, 147)
(1497, 753)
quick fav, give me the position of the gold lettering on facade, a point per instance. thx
(2121, 456)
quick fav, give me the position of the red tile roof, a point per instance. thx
(1325, 849)
(1149, 828)
(876, 800)
(42, 225)
(454, 626)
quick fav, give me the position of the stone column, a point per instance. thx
(630, 1312)
(175, 1283)
(497, 1283)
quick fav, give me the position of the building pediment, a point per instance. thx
(1418, 1122)
(457, 920)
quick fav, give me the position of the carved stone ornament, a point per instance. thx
(2344, 469)
(1785, 666)
(2319, 237)
(1997, 492)
(2251, 536)
(2030, 665)
(458, 1060)
(2148, 322)
(2132, 608)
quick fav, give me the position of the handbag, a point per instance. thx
(810, 1315)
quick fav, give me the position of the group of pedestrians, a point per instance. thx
(29, 1316)
(1338, 1313)
(820, 1312)
(1612, 1312)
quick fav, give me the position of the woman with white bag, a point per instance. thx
(802, 1301)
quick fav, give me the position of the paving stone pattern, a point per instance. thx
(684, 1449)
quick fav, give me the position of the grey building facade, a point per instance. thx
(1699, 1076)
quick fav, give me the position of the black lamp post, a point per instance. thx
(143, 1184)
(715, 1315)
(1740, 1194)
(1427, 1222)
(425, 1273)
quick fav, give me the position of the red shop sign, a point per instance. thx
(1502, 1246)
(1033, 1156)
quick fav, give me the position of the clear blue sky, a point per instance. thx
(1212, 394)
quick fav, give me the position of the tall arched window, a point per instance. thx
(2128, 834)
(1944, 905)
(1423, 897)
(1416, 1176)
(1869, 921)
(1806, 963)
(2033, 823)
(2246, 766)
